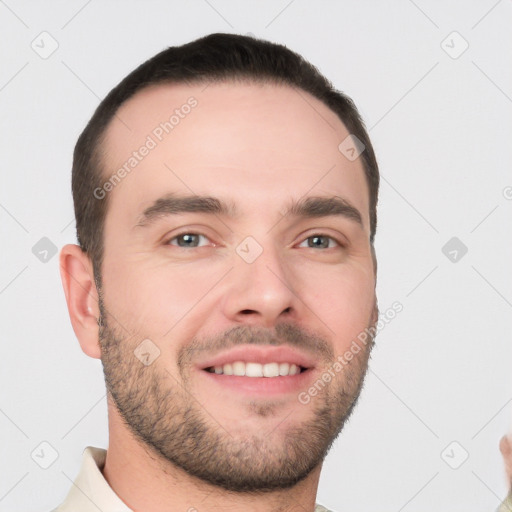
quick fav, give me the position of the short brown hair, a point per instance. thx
(216, 57)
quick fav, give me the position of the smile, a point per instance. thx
(249, 369)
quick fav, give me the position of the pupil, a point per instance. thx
(187, 239)
(319, 241)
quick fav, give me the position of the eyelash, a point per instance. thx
(314, 235)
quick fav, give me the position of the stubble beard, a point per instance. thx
(162, 413)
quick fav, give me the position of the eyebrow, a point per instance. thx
(313, 207)
(173, 204)
(310, 207)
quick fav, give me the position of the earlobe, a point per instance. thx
(81, 297)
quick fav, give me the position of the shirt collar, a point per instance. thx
(90, 491)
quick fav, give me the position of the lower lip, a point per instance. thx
(262, 385)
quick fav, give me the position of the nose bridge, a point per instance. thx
(260, 285)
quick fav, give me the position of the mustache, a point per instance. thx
(284, 334)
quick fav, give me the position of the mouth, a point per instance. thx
(259, 370)
(254, 370)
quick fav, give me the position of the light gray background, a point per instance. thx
(441, 127)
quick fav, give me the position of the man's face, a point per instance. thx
(258, 286)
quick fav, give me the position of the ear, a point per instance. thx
(77, 277)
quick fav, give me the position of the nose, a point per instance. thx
(262, 292)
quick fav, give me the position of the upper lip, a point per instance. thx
(259, 354)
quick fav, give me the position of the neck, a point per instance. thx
(147, 483)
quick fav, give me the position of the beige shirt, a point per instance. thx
(506, 505)
(90, 491)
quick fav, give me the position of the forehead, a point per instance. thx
(267, 140)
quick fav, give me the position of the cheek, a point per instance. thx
(344, 302)
(152, 299)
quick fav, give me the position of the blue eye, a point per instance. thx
(320, 242)
(187, 240)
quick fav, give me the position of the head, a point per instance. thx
(220, 220)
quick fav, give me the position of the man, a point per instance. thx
(225, 199)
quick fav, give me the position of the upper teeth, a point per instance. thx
(239, 368)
